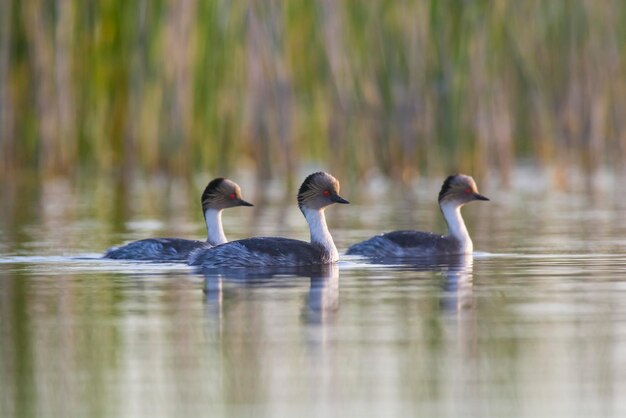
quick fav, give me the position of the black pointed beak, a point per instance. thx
(244, 203)
(338, 199)
(478, 196)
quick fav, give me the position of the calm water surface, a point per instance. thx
(533, 325)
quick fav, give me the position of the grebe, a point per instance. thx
(218, 195)
(456, 191)
(318, 191)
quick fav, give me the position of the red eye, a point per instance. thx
(326, 193)
(232, 196)
(469, 190)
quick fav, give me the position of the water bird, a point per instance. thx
(318, 191)
(218, 195)
(457, 190)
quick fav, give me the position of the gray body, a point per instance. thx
(406, 244)
(157, 249)
(262, 251)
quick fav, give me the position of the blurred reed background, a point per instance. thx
(403, 88)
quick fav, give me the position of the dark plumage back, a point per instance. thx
(210, 189)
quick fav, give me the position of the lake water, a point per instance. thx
(533, 325)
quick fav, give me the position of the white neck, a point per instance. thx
(319, 231)
(215, 232)
(456, 226)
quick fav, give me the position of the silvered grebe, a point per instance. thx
(218, 195)
(318, 191)
(456, 191)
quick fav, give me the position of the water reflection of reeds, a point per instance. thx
(406, 87)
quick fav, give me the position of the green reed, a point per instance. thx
(400, 87)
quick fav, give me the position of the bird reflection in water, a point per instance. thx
(457, 272)
(457, 284)
(321, 303)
